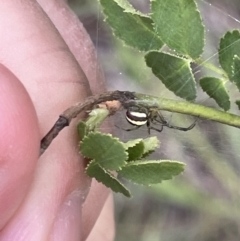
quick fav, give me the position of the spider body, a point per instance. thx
(136, 118)
(139, 116)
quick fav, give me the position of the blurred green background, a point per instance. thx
(202, 204)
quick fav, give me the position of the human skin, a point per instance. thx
(48, 63)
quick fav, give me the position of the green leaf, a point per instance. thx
(82, 129)
(179, 25)
(95, 119)
(132, 143)
(139, 148)
(215, 88)
(128, 8)
(151, 172)
(236, 71)
(229, 47)
(150, 144)
(135, 149)
(174, 72)
(135, 152)
(106, 150)
(105, 177)
(134, 28)
(238, 103)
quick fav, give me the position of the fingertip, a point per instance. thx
(19, 143)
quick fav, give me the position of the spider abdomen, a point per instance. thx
(136, 118)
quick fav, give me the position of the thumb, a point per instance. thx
(19, 143)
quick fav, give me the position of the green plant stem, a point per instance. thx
(187, 108)
(127, 99)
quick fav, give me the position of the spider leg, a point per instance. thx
(181, 128)
(163, 122)
(162, 119)
(153, 128)
(159, 130)
(149, 127)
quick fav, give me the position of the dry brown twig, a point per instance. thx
(88, 104)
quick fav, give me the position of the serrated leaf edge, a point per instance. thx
(104, 134)
(202, 24)
(152, 161)
(111, 176)
(135, 13)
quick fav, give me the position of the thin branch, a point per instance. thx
(127, 99)
(185, 107)
(88, 104)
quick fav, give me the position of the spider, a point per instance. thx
(139, 116)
